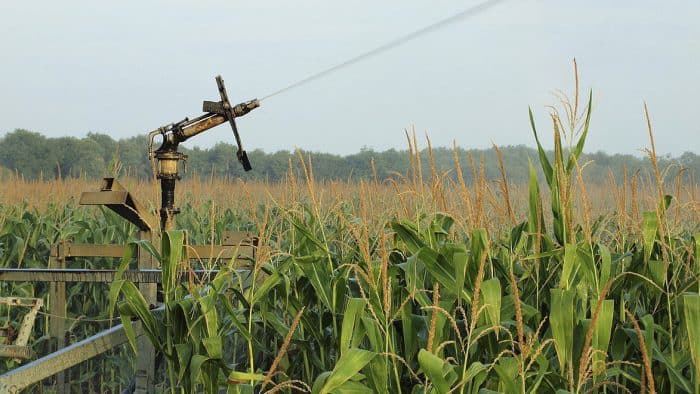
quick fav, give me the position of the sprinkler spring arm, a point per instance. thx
(168, 156)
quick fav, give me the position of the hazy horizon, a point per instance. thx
(78, 67)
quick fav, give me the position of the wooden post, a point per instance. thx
(146, 359)
(57, 309)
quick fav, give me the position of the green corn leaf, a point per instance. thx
(410, 330)
(172, 251)
(280, 326)
(214, 346)
(479, 245)
(148, 246)
(207, 306)
(353, 315)
(605, 264)
(303, 230)
(348, 365)
(570, 267)
(440, 228)
(601, 334)
(542, 371)
(650, 226)
(586, 265)
(373, 333)
(648, 333)
(377, 376)
(233, 317)
(507, 370)
(443, 271)
(559, 153)
(691, 314)
(116, 287)
(407, 233)
(544, 161)
(696, 260)
(351, 387)
(183, 354)
(491, 290)
(239, 376)
(182, 319)
(200, 372)
(535, 219)
(558, 219)
(658, 271)
(674, 371)
(256, 293)
(576, 152)
(473, 371)
(459, 261)
(440, 373)
(135, 305)
(562, 323)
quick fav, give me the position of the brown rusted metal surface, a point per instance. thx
(25, 328)
(173, 134)
(115, 197)
(16, 352)
(106, 197)
(202, 126)
(15, 343)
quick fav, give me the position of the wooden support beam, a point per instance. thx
(146, 358)
(87, 275)
(57, 321)
(70, 250)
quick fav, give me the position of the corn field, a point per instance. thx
(418, 284)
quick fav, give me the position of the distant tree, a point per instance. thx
(109, 146)
(34, 155)
(29, 153)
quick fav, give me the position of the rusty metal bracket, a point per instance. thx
(115, 197)
(19, 349)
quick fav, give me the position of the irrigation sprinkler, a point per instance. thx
(167, 155)
(114, 196)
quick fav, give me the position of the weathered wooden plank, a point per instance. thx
(236, 246)
(57, 321)
(221, 252)
(15, 351)
(146, 358)
(87, 275)
(92, 250)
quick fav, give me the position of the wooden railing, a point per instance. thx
(237, 245)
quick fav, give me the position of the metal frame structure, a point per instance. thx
(115, 197)
(19, 348)
(239, 245)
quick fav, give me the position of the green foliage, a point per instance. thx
(33, 156)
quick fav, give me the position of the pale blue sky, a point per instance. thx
(125, 68)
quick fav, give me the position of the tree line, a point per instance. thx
(34, 156)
